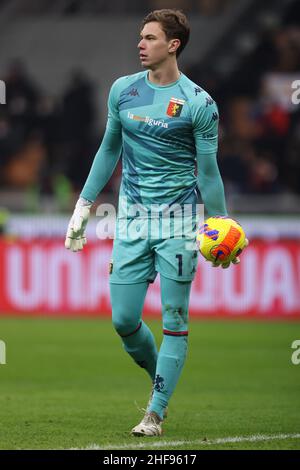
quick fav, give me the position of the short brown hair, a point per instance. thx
(174, 23)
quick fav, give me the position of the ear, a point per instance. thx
(173, 45)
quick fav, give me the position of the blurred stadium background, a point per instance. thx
(58, 60)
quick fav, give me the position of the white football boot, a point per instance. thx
(149, 426)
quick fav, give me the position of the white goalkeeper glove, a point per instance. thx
(236, 260)
(75, 238)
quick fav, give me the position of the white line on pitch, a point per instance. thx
(199, 442)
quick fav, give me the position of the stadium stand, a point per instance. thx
(54, 117)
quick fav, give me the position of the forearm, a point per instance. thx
(103, 166)
(211, 185)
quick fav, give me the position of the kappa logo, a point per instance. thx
(159, 383)
(198, 90)
(175, 107)
(209, 101)
(214, 117)
(133, 92)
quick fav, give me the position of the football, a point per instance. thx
(220, 239)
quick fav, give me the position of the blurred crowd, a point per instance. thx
(96, 7)
(47, 144)
(259, 105)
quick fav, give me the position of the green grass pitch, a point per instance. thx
(68, 383)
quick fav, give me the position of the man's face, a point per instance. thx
(154, 46)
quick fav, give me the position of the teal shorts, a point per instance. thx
(139, 260)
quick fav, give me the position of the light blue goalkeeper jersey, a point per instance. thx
(162, 129)
(161, 132)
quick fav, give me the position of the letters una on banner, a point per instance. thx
(41, 277)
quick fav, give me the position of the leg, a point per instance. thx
(172, 354)
(176, 261)
(127, 305)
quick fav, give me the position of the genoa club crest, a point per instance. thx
(175, 107)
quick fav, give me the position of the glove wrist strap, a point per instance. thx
(83, 203)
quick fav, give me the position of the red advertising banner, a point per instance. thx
(41, 277)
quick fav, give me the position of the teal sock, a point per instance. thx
(173, 350)
(170, 361)
(142, 348)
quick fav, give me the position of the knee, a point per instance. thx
(175, 317)
(123, 323)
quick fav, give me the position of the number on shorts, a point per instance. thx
(179, 257)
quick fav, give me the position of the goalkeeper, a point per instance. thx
(162, 125)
